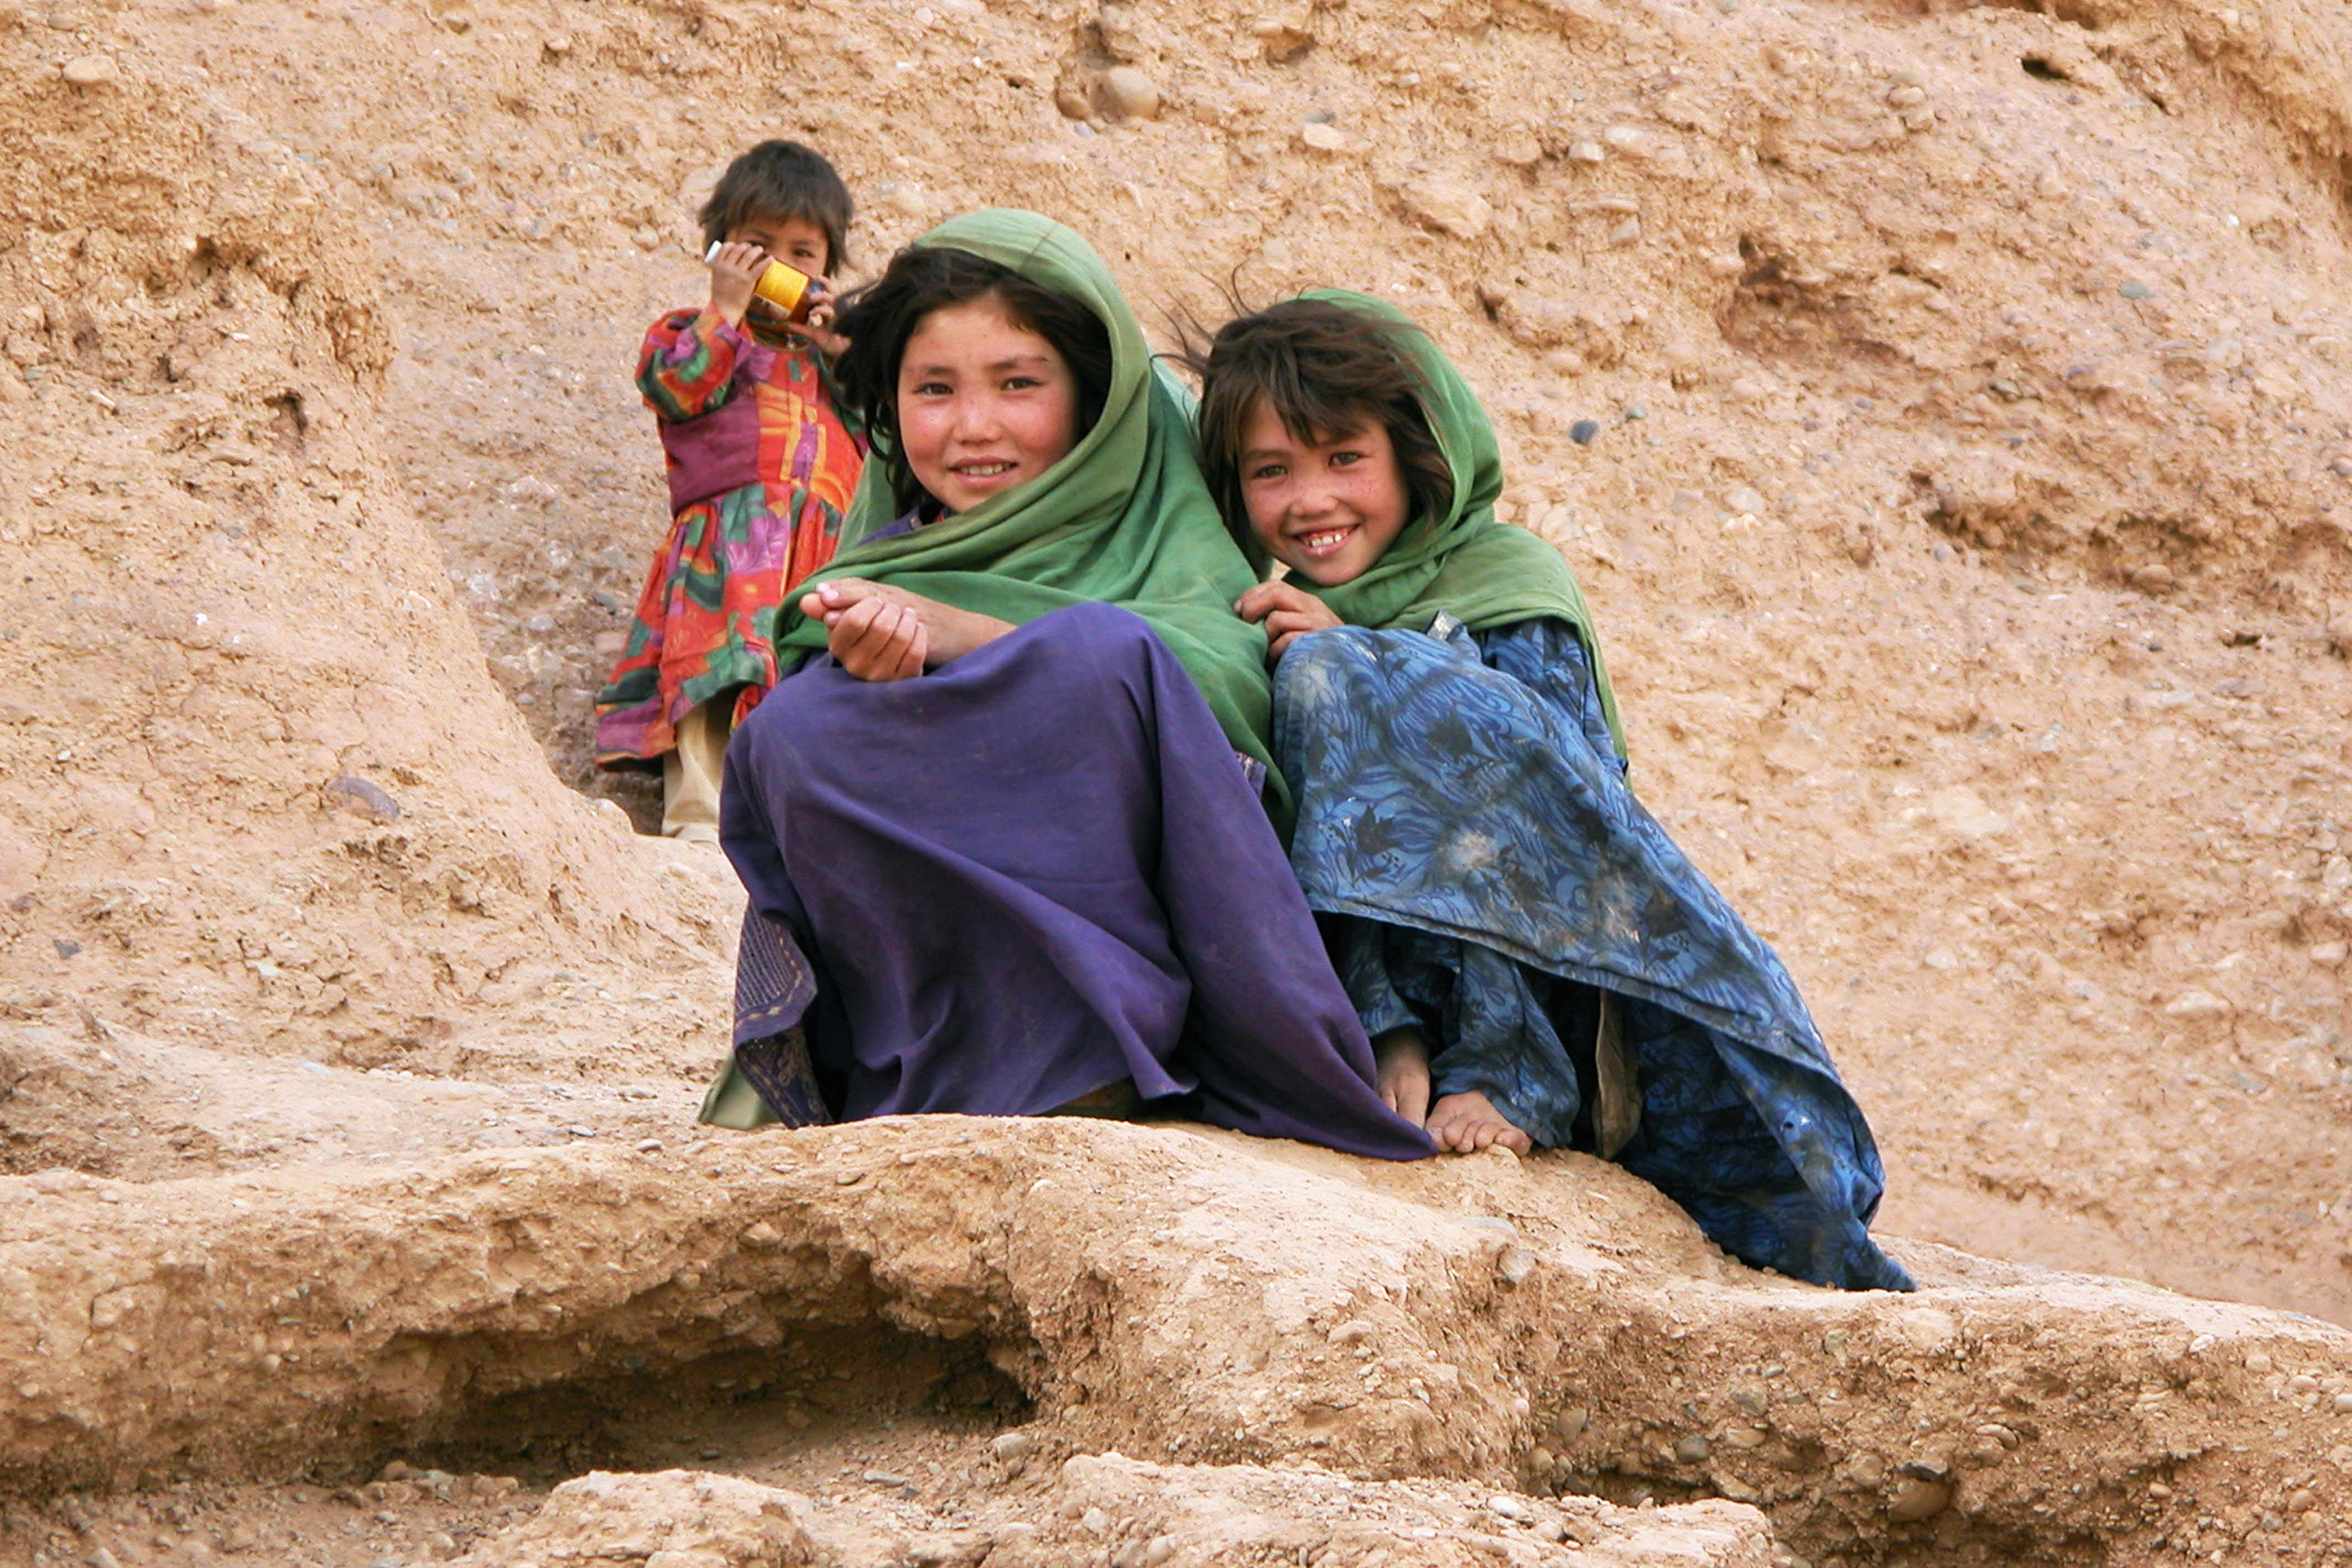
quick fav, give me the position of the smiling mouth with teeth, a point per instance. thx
(1326, 539)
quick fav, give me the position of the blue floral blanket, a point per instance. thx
(1465, 824)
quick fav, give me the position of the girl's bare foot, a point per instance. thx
(1465, 1124)
(1403, 1059)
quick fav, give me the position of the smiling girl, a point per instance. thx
(1535, 959)
(1002, 834)
(980, 380)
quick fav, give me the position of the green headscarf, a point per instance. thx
(1482, 573)
(1124, 518)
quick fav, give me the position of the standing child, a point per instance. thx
(1536, 961)
(761, 469)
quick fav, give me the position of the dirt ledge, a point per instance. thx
(1198, 1298)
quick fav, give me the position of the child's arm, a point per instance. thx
(688, 366)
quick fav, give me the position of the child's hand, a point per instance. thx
(818, 329)
(1288, 614)
(877, 640)
(949, 634)
(733, 271)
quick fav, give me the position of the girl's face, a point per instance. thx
(1327, 509)
(796, 242)
(985, 403)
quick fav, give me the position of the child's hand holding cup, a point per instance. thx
(735, 269)
(744, 279)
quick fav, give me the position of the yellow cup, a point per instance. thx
(792, 292)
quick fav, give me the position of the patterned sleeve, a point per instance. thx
(688, 365)
(1547, 657)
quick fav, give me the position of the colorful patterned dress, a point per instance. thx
(762, 468)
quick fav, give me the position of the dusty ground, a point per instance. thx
(1945, 406)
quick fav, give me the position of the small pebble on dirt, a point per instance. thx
(2136, 289)
(1692, 1450)
(1583, 431)
(1014, 1444)
(1917, 1499)
(1131, 92)
(359, 797)
(90, 70)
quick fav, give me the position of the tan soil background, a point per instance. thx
(1967, 503)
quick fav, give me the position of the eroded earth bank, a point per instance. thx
(1946, 409)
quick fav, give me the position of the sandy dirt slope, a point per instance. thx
(1965, 495)
(1945, 406)
(259, 789)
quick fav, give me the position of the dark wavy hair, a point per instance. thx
(781, 180)
(1327, 371)
(879, 318)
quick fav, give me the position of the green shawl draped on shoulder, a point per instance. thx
(1124, 518)
(1482, 573)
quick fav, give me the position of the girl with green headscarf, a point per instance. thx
(1536, 961)
(1001, 831)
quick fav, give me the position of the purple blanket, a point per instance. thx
(1026, 876)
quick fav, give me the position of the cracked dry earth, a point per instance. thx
(1949, 409)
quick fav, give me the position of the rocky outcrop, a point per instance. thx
(1189, 1299)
